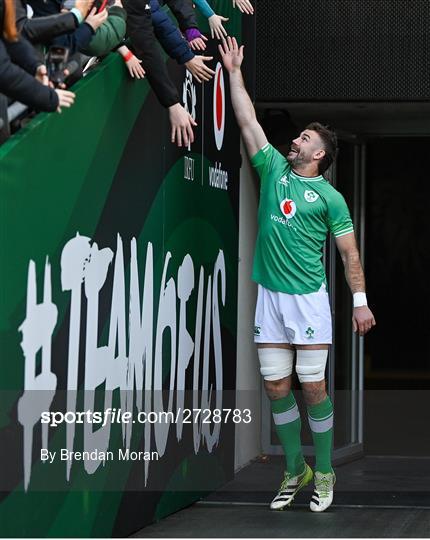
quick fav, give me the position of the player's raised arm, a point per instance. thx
(252, 133)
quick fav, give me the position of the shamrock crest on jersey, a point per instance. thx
(311, 196)
(288, 208)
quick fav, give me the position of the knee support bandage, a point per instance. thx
(275, 363)
(310, 365)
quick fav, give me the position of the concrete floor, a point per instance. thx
(374, 497)
(259, 522)
(372, 481)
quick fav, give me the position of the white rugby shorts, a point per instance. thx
(299, 319)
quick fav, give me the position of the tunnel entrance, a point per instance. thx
(397, 355)
(379, 384)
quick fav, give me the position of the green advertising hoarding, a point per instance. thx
(119, 270)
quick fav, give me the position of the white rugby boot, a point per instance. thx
(289, 487)
(322, 496)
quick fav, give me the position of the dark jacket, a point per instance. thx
(43, 29)
(184, 13)
(41, 8)
(78, 37)
(21, 86)
(144, 43)
(169, 36)
(76, 40)
(18, 64)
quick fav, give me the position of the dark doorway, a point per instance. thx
(397, 352)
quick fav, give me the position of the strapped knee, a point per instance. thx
(275, 363)
(310, 366)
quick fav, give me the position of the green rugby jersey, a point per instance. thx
(294, 217)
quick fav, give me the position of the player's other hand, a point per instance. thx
(182, 124)
(362, 320)
(231, 54)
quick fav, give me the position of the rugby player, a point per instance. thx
(298, 208)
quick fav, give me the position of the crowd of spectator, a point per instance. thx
(45, 46)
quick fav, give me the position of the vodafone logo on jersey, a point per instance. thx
(219, 106)
(288, 208)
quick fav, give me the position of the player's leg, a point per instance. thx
(312, 339)
(276, 364)
(310, 367)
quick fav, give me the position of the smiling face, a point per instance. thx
(306, 149)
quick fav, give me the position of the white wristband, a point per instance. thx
(360, 299)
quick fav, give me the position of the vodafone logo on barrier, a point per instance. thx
(288, 208)
(219, 106)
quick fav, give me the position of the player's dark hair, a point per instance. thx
(329, 139)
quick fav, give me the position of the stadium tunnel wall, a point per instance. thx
(248, 381)
(248, 384)
(120, 254)
(361, 67)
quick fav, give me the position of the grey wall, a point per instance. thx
(248, 385)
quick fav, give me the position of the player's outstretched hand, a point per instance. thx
(182, 124)
(244, 6)
(199, 69)
(362, 320)
(231, 54)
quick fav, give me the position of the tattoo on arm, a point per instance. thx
(354, 271)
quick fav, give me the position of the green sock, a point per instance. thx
(288, 425)
(320, 418)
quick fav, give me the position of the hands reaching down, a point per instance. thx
(198, 43)
(196, 39)
(199, 69)
(182, 124)
(244, 6)
(132, 62)
(217, 29)
(65, 99)
(134, 67)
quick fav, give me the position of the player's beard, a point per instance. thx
(296, 159)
